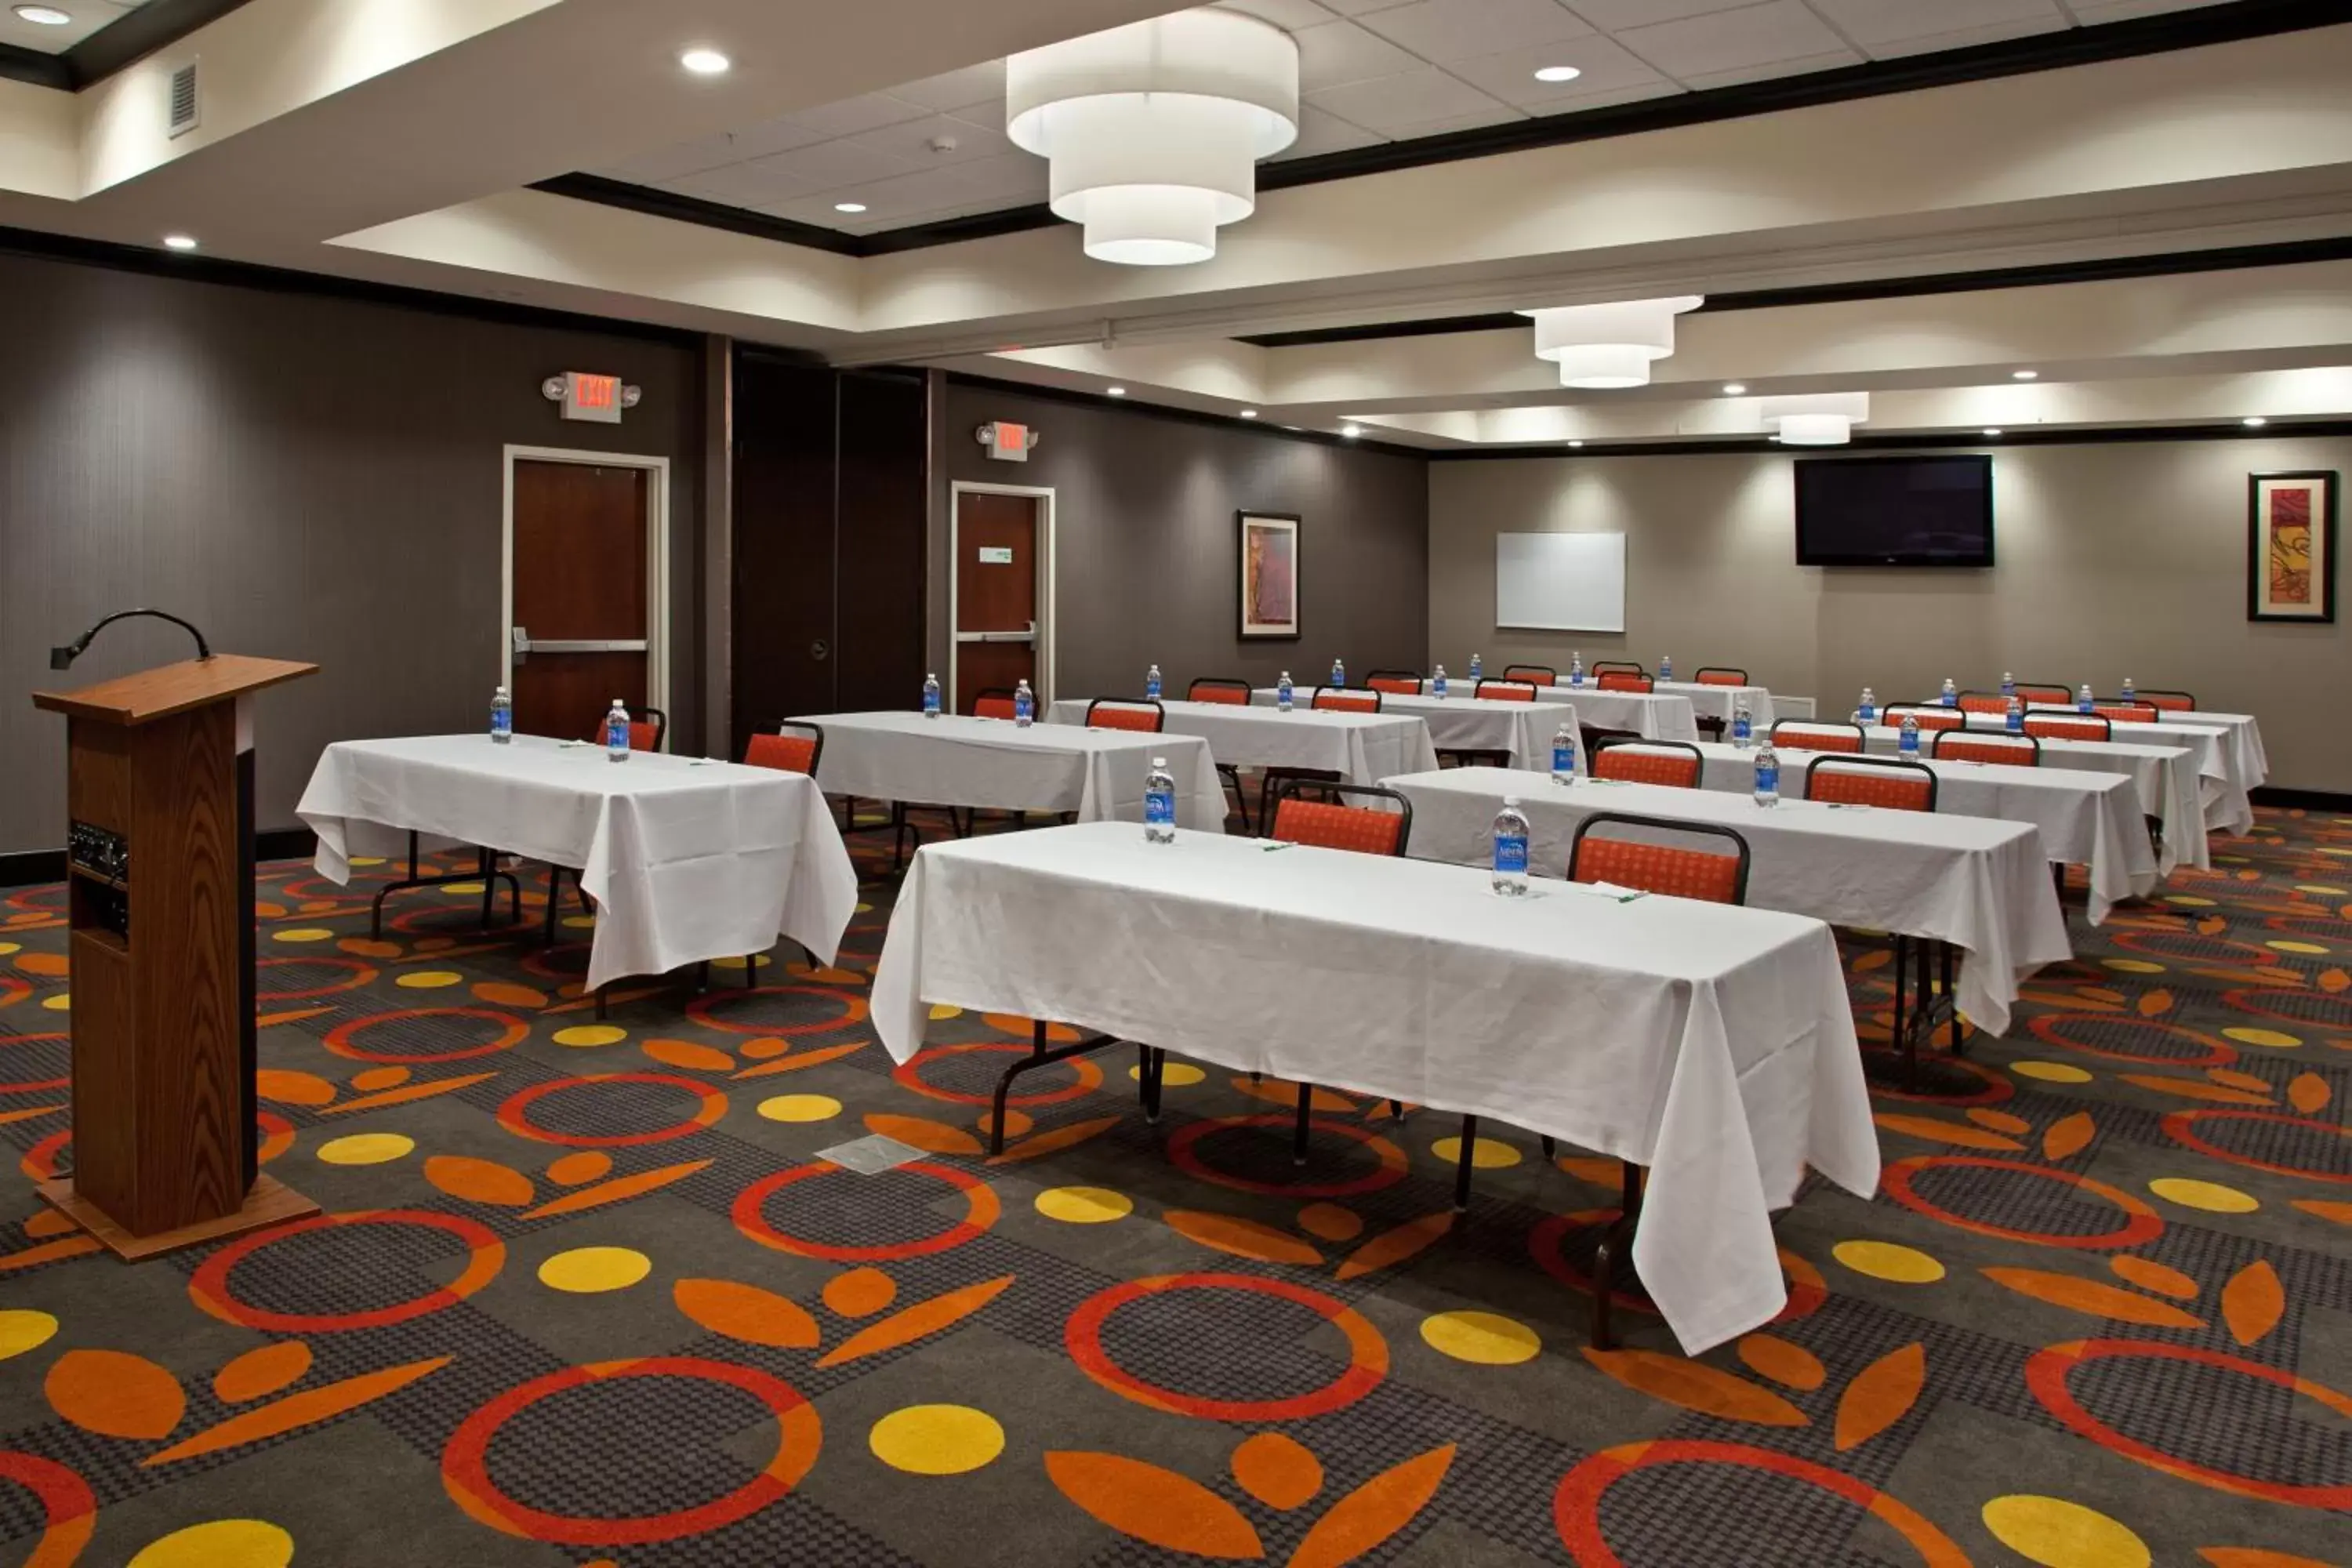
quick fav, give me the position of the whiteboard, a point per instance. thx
(1560, 582)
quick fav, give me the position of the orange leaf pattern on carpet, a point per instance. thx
(1695, 1385)
(2068, 1136)
(1393, 1247)
(2100, 1300)
(746, 1313)
(1280, 1471)
(920, 1321)
(115, 1393)
(1374, 1512)
(298, 1410)
(1242, 1237)
(2253, 1301)
(1790, 1365)
(1157, 1507)
(262, 1371)
(1881, 1395)
(2154, 1277)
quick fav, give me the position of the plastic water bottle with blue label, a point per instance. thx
(1665, 666)
(1437, 684)
(1868, 714)
(502, 716)
(1951, 693)
(1511, 849)
(1282, 690)
(1339, 673)
(1476, 665)
(2008, 684)
(930, 697)
(1024, 706)
(1159, 804)
(1908, 743)
(1575, 668)
(2015, 719)
(616, 733)
(1743, 725)
(1151, 683)
(1563, 756)
(2127, 688)
(1768, 776)
(2082, 699)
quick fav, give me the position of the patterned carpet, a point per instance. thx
(585, 1293)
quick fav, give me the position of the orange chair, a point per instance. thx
(1217, 688)
(1887, 782)
(1675, 763)
(1504, 691)
(794, 749)
(2031, 691)
(1929, 715)
(1984, 702)
(1625, 680)
(1722, 675)
(1345, 700)
(1606, 666)
(2071, 726)
(648, 727)
(1981, 746)
(1127, 713)
(994, 703)
(1533, 674)
(1816, 735)
(2122, 712)
(1395, 682)
(2171, 701)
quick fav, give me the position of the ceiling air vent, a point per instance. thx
(184, 100)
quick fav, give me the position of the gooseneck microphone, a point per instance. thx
(63, 658)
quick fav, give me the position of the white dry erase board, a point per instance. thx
(1560, 582)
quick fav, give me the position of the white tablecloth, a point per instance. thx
(687, 861)
(2164, 776)
(1718, 701)
(1460, 723)
(1652, 716)
(1981, 884)
(2242, 734)
(1714, 1046)
(2085, 818)
(2221, 788)
(959, 760)
(1362, 748)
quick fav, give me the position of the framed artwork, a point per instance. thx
(2290, 546)
(1267, 581)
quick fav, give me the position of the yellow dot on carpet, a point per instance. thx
(2321, 890)
(22, 1330)
(302, 934)
(1173, 1075)
(584, 1270)
(942, 1011)
(2210, 1197)
(429, 979)
(222, 1544)
(2061, 1534)
(800, 1108)
(8, 947)
(1887, 1260)
(2050, 1072)
(367, 859)
(936, 1440)
(1485, 1338)
(591, 1034)
(2133, 965)
(1084, 1205)
(366, 1148)
(2276, 1039)
(60, 1003)
(866, 908)
(461, 889)
(2189, 901)
(580, 922)
(2295, 946)
(1486, 1153)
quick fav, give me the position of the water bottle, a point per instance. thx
(2008, 684)
(1768, 776)
(616, 733)
(1908, 746)
(1563, 756)
(1951, 693)
(1868, 714)
(1475, 665)
(1665, 666)
(2015, 719)
(930, 697)
(1159, 804)
(1511, 849)
(1575, 668)
(2082, 699)
(2127, 688)
(1282, 692)
(1743, 726)
(1437, 684)
(1024, 706)
(502, 716)
(1339, 673)
(1151, 683)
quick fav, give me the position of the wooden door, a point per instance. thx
(581, 595)
(996, 594)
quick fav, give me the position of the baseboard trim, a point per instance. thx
(29, 868)
(2303, 799)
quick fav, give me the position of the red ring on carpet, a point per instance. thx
(513, 1112)
(2049, 1026)
(33, 1085)
(2142, 1223)
(1368, 1352)
(750, 1215)
(340, 1039)
(703, 1006)
(362, 974)
(1392, 1169)
(209, 1288)
(2178, 1125)
(69, 1508)
(909, 1075)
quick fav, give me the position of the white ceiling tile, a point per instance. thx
(828, 165)
(1363, 7)
(911, 141)
(1497, 114)
(1289, 15)
(1320, 131)
(1609, 69)
(1415, 98)
(1991, 33)
(675, 163)
(1015, 180)
(740, 185)
(1870, 23)
(1772, 70)
(2091, 12)
(1447, 30)
(957, 90)
(1733, 40)
(1615, 16)
(852, 115)
(1339, 53)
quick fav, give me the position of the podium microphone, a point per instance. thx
(63, 658)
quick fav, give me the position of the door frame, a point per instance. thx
(656, 555)
(1044, 650)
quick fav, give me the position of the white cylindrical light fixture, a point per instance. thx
(1154, 130)
(1609, 345)
(1815, 418)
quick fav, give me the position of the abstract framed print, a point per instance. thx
(1267, 582)
(2290, 546)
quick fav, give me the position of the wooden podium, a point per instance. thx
(159, 786)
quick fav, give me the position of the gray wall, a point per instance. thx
(1145, 551)
(303, 477)
(2114, 560)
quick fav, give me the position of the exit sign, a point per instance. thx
(586, 395)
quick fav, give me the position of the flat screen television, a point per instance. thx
(1894, 511)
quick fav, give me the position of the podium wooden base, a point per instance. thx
(270, 1203)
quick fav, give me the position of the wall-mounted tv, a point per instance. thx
(1894, 511)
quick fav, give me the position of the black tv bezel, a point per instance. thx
(1970, 563)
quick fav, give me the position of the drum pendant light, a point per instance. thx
(1154, 130)
(1815, 418)
(1609, 345)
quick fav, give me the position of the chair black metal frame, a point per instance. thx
(1228, 772)
(2142, 693)
(1412, 675)
(654, 716)
(1336, 793)
(1352, 693)
(2031, 743)
(1834, 760)
(1617, 739)
(1625, 665)
(1526, 674)
(1860, 736)
(993, 691)
(2033, 691)
(1159, 713)
(1704, 670)
(1479, 690)
(1891, 716)
(2133, 710)
(1272, 779)
(2106, 722)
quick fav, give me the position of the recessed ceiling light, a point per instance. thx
(1115, 391)
(179, 242)
(1733, 388)
(1576, 443)
(850, 207)
(1249, 413)
(2025, 375)
(45, 16)
(705, 62)
(1352, 431)
(2255, 421)
(1992, 430)
(1558, 73)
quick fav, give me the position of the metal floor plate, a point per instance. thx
(870, 1156)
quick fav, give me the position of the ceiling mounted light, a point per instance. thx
(179, 242)
(1733, 388)
(44, 15)
(1576, 443)
(1154, 130)
(850, 207)
(705, 62)
(1992, 430)
(2025, 375)
(1352, 431)
(1609, 345)
(2254, 422)
(1557, 73)
(1249, 413)
(1815, 418)
(1114, 392)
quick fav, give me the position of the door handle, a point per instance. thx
(520, 637)
(819, 650)
(591, 645)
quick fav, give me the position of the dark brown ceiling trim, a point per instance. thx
(157, 24)
(2138, 36)
(693, 209)
(2107, 269)
(1181, 415)
(1759, 446)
